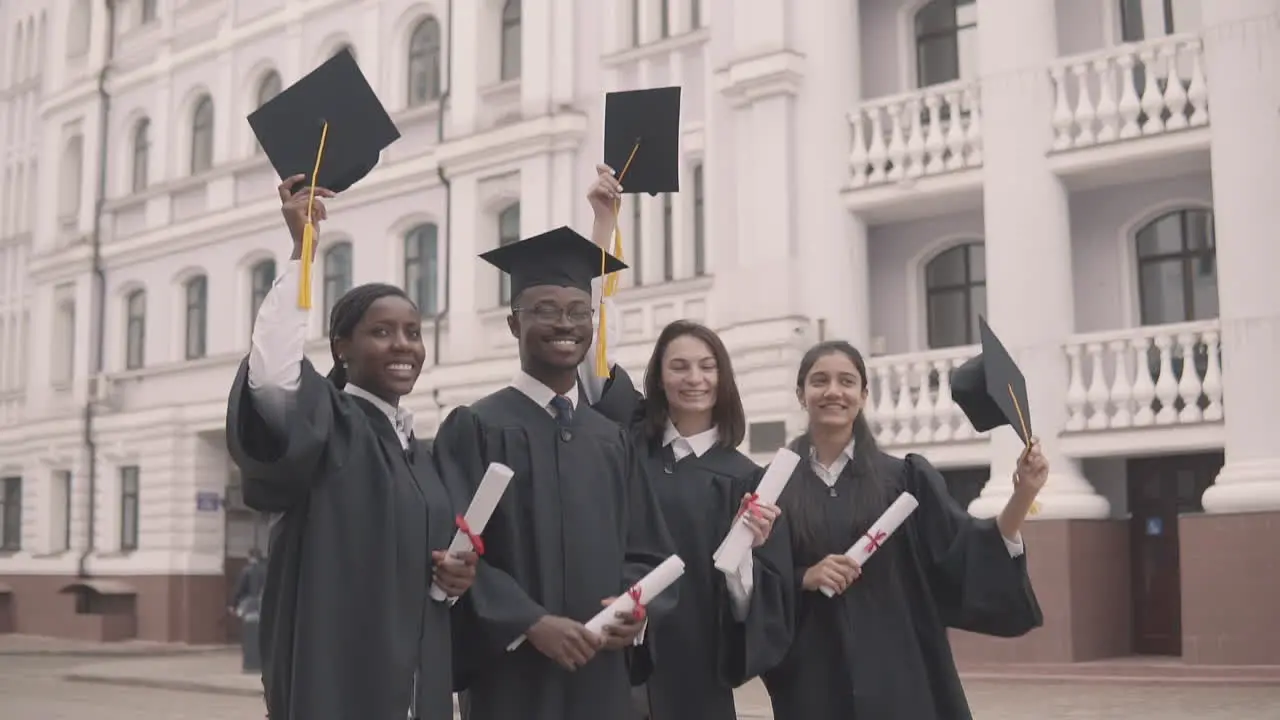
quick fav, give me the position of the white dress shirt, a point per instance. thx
(740, 581)
(828, 474)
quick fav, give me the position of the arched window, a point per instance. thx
(664, 19)
(79, 27)
(202, 136)
(424, 62)
(635, 22)
(70, 180)
(268, 87)
(347, 47)
(955, 289)
(337, 276)
(147, 12)
(1177, 272)
(510, 49)
(508, 232)
(141, 155)
(420, 269)
(695, 14)
(699, 223)
(261, 277)
(135, 305)
(946, 41)
(196, 291)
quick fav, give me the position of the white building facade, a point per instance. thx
(1099, 178)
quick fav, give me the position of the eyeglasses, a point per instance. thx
(551, 314)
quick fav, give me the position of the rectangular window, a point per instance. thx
(668, 240)
(60, 512)
(129, 508)
(10, 514)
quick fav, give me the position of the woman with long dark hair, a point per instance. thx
(686, 427)
(877, 647)
(348, 629)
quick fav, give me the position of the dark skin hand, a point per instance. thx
(293, 206)
(569, 643)
(454, 573)
(551, 348)
(622, 632)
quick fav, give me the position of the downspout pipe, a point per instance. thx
(99, 292)
(443, 309)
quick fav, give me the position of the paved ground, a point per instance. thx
(38, 686)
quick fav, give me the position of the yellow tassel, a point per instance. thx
(309, 232)
(609, 281)
(304, 282)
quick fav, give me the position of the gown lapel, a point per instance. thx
(386, 433)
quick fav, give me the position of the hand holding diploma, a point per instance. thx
(623, 630)
(742, 537)
(567, 642)
(453, 573)
(623, 617)
(876, 536)
(467, 541)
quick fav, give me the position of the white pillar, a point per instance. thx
(1030, 299)
(1242, 64)
(464, 68)
(463, 325)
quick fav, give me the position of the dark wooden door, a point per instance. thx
(1161, 488)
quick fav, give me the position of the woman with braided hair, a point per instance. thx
(348, 628)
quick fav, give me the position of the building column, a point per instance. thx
(463, 60)
(1030, 299)
(1242, 65)
(463, 327)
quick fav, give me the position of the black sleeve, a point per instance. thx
(280, 466)
(496, 610)
(975, 583)
(620, 401)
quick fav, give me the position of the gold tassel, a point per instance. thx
(609, 281)
(309, 232)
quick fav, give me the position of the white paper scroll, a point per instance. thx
(649, 587)
(737, 543)
(880, 531)
(492, 486)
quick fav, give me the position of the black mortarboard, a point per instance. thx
(289, 125)
(559, 257)
(650, 118)
(991, 390)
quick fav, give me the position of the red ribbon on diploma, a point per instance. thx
(874, 542)
(638, 612)
(477, 542)
(750, 504)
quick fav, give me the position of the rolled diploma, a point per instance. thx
(737, 542)
(651, 585)
(890, 521)
(492, 486)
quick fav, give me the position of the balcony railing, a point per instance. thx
(930, 131)
(1143, 377)
(1134, 90)
(1152, 376)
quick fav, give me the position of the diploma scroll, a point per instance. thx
(492, 486)
(649, 587)
(880, 531)
(737, 543)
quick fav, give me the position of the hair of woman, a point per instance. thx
(346, 315)
(868, 499)
(729, 417)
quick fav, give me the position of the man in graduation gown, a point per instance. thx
(578, 524)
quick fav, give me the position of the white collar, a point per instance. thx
(400, 417)
(539, 393)
(699, 443)
(841, 460)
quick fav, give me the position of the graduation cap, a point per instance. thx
(333, 102)
(642, 139)
(559, 257)
(991, 390)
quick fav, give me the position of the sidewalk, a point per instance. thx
(33, 645)
(219, 673)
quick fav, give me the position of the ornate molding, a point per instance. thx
(749, 80)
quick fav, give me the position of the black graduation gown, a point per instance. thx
(704, 651)
(879, 651)
(578, 523)
(346, 618)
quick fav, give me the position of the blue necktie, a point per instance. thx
(563, 410)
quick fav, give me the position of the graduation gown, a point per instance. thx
(702, 652)
(346, 618)
(879, 651)
(578, 523)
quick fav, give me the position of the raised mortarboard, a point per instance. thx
(333, 108)
(991, 390)
(559, 257)
(291, 125)
(642, 139)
